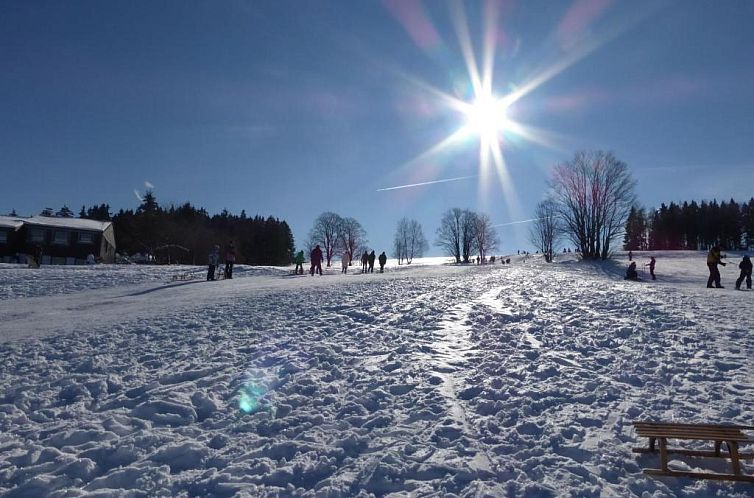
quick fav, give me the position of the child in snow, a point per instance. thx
(631, 273)
(713, 259)
(745, 267)
(383, 259)
(213, 260)
(652, 267)
(299, 260)
(345, 260)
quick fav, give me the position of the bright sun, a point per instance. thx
(486, 116)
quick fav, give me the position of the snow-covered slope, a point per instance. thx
(504, 380)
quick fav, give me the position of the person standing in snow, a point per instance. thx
(382, 259)
(364, 262)
(230, 259)
(713, 259)
(345, 260)
(370, 259)
(213, 260)
(299, 260)
(630, 256)
(745, 267)
(316, 260)
(631, 273)
(652, 267)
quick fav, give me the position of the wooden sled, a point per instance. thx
(731, 435)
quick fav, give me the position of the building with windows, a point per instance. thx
(56, 241)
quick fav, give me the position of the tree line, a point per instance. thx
(186, 234)
(691, 225)
(335, 234)
(463, 233)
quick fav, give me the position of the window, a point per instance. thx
(37, 235)
(60, 238)
(86, 238)
(3, 237)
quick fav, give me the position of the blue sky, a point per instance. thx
(291, 108)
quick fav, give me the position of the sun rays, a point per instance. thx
(487, 115)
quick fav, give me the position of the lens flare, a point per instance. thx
(255, 393)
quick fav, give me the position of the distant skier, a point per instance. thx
(370, 259)
(213, 260)
(230, 259)
(713, 259)
(299, 260)
(630, 256)
(745, 267)
(651, 265)
(631, 273)
(345, 260)
(364, 262)
(382, 259)
(316, 260)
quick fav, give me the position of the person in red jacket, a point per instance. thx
(230, 259)
(316, 259)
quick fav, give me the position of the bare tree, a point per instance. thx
(449, 233)
(352, 236)
(546, 228)
(485, 236)
(409, 241)
(594, 193)
(468, 233)
(326, 232)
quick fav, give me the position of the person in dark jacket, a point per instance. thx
(214, 261)
(631, 273)
(299, 260)
(652, 267)
(745, 267)
(382, 259)
(316, 259)
(713, 259)
(371, 261)
(364, 262)
(230, 260)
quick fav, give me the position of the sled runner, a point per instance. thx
(731, 435)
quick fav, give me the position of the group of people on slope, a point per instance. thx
(632, 274)
(714, 258)
(367, 262)
(317, 256)
(214, 261)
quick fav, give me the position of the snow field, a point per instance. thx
(516, 380)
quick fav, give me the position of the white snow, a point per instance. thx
(429, 379)
(54, 221)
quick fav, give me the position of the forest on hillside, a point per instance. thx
(691, 225)
(185, 233)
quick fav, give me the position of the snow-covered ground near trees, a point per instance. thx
(497, 380)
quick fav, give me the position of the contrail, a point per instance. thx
(515, 222)
(426, 183)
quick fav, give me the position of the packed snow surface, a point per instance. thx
(434, 379)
